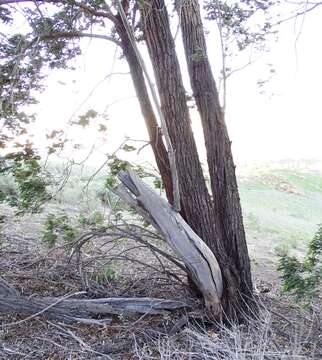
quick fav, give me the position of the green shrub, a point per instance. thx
(303, 278)
(94, 220)
(107, 273)
(55, 226)
(29, 191)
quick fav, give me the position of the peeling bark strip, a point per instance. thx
(195, 254)
(171, 153)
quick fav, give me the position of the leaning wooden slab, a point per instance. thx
(187, 245)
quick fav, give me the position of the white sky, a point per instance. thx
(262, 127)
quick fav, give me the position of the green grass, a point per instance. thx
(282, 204)
(308, 182)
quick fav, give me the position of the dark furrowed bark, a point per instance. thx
(154, 131)
(194, 195)
(227, 209)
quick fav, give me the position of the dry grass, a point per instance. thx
(268, 335)
(280, 330)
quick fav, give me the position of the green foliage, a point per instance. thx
(303, 278)
(141, 4)
(56, 140)
(55, 226)
(107, 273)
(31, 185)
(235, 18)
(94, 220)
(27, 55)
(17, 79)
(142, 172)
(116, 165)
(157, 183)
(244, 26)
(110, 181)
(102, 128)
(84, 120)
(128, 148)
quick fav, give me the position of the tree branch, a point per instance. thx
(84, 7)
(76, 34)
(172, 157)
(299, 13)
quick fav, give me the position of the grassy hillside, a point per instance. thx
(282, 202)
(282, 206)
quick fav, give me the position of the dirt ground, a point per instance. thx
(286, 331)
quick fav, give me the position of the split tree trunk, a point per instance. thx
(194, 195)
(226, 200)
(198, 258)
(200, 261)
(218, 222)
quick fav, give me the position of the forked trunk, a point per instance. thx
(194, 195)
(226, 200)
(218, 222)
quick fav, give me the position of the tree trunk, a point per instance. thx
(218, 222)
(154, 131)
(195, 199)
(226, 200)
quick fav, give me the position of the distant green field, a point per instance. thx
(281, 201)
(282, 204)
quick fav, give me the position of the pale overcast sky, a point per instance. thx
(262, 127)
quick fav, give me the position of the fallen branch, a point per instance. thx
(85, 310)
